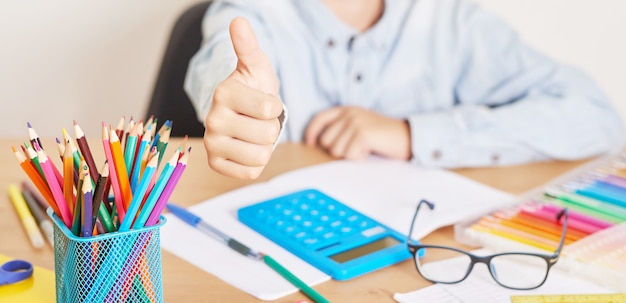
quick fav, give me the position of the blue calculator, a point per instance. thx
(326, 233)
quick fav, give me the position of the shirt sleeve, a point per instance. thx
(512, 105)
(216, 59)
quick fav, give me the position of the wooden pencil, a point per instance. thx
(115, 185)
(120, 168)
(87, 208)
(83, 145)
(37, 180)
(68, 176)
(32, 135)
(55, 188)
(139, 194)
(167, 191)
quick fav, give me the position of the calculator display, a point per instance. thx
(328, 234)
(364, 250)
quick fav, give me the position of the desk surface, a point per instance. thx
(182, 282)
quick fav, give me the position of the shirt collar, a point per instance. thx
(327, 28)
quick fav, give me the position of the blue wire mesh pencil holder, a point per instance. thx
(112, 267)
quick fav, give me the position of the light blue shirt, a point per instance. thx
(472, 92)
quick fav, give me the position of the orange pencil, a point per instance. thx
(120, 168)
(68, 177)
(523, 228)
(117, 192)
(35, 177)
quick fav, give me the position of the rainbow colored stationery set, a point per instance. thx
(107, 212)
(595, 243)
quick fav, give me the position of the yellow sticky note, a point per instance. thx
(39, 288)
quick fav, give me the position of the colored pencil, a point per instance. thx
(83, 145)
(37, 180)
(119, 129)
(167, 191)
(156, 191)
(99, 191)
(130, 148)
(163, 141)
(115, 184)
(138, 196)
(78, 205)
(32, 135)
(68, 177)
(30, 226)
(86, 208)
(45, 224)
(55, 188)
(144, 147)
(120, 168)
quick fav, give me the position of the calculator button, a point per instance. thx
(300, 235)
(335, 224)
(346, 229)
(290, 229)
(319, 229)
(310, 241)
(373, 231)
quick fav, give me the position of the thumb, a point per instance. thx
(251, 59)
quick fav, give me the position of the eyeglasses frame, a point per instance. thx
(550, 259)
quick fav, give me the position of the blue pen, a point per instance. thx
(197, 222)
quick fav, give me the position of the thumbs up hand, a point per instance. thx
(242, 124)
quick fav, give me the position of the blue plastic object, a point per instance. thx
(326, 233)
(112, 267)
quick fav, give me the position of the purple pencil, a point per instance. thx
(167, 191)
(86, 210)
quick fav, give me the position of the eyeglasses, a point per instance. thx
(504, 267)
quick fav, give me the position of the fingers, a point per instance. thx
(252, 62)
(318, 125)
(236, 158)
(245, 100)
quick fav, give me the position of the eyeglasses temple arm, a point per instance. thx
(430, 205)
(563, 212)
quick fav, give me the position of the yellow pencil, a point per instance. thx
(34, 234)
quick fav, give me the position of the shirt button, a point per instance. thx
(495, 158)
(358, 77)
(436, 154)
(330, 43)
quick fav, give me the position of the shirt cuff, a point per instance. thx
(435, 139)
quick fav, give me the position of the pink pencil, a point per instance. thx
(46, 167)
(167, 191)
(117, 193)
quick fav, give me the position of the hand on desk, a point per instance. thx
(247, 99)
(354, 133)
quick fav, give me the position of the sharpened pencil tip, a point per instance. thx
(58, 140)
(29, 126)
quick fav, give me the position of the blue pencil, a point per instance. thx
(156, 191)
(139, 194)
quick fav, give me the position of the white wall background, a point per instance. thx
(96, 60)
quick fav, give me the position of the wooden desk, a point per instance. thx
(182, 282)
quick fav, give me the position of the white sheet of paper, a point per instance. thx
(385, 190)
(480, 287)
